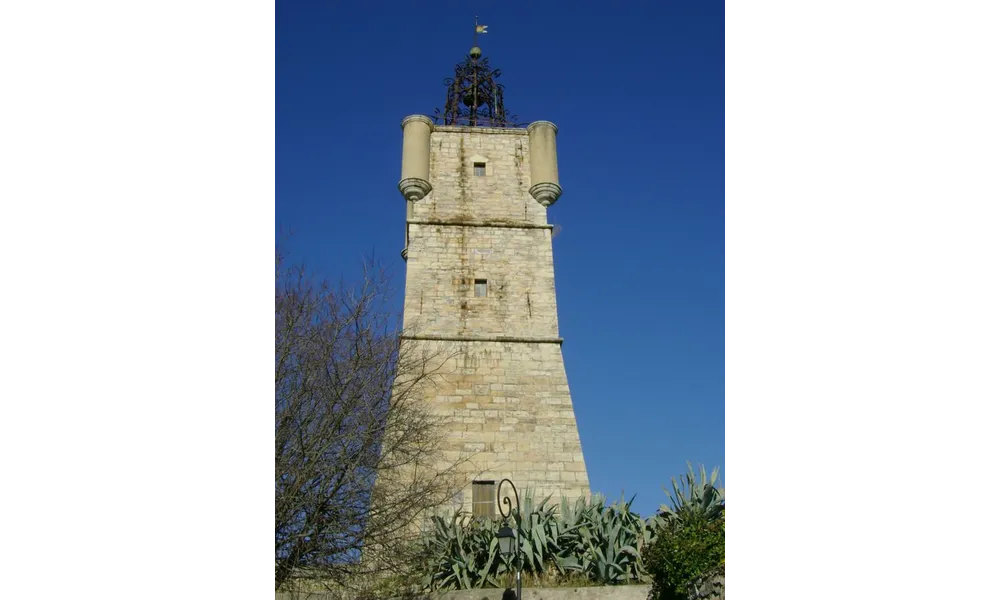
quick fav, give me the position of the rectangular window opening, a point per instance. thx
(480, 288)
(483, 499)
(479, 169)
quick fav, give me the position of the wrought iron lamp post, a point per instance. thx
(508, 540)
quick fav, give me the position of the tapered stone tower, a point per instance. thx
(480, 289)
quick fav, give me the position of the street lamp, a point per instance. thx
(509, 540)
(505, 537)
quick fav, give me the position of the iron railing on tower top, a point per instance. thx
(475, 97)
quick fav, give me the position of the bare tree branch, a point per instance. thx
(357, 461)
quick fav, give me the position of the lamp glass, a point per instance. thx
(505, 539)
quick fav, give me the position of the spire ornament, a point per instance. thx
(475, 98)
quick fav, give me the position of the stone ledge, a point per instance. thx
(482, 224)
(482, 338)
(609, 592)
(469, 129)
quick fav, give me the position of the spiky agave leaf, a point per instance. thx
(694, 498)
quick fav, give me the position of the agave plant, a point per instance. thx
(535, 523)
(460, 553)
(599, 541)
(694, 498)
(603, 542)
(566, 535)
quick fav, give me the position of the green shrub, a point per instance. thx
(689, 549)
(685, 556)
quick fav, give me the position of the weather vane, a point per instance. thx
(479, 29)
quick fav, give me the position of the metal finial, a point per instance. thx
(475, 98)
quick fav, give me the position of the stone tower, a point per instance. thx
(480, 288)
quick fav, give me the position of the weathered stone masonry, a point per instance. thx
(474, 214)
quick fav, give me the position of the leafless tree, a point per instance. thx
(356, 446)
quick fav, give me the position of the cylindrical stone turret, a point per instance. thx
(544, 169)
(415, 182)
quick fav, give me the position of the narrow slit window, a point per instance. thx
(480, 288)
(483, 503)
(479, 169)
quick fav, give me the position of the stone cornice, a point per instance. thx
(467, 129)
(483, 338)
(482, 224)
(420, 118)
(543, 124)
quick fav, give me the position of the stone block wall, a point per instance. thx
(503, 389)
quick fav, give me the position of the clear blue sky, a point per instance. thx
(637, 90)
